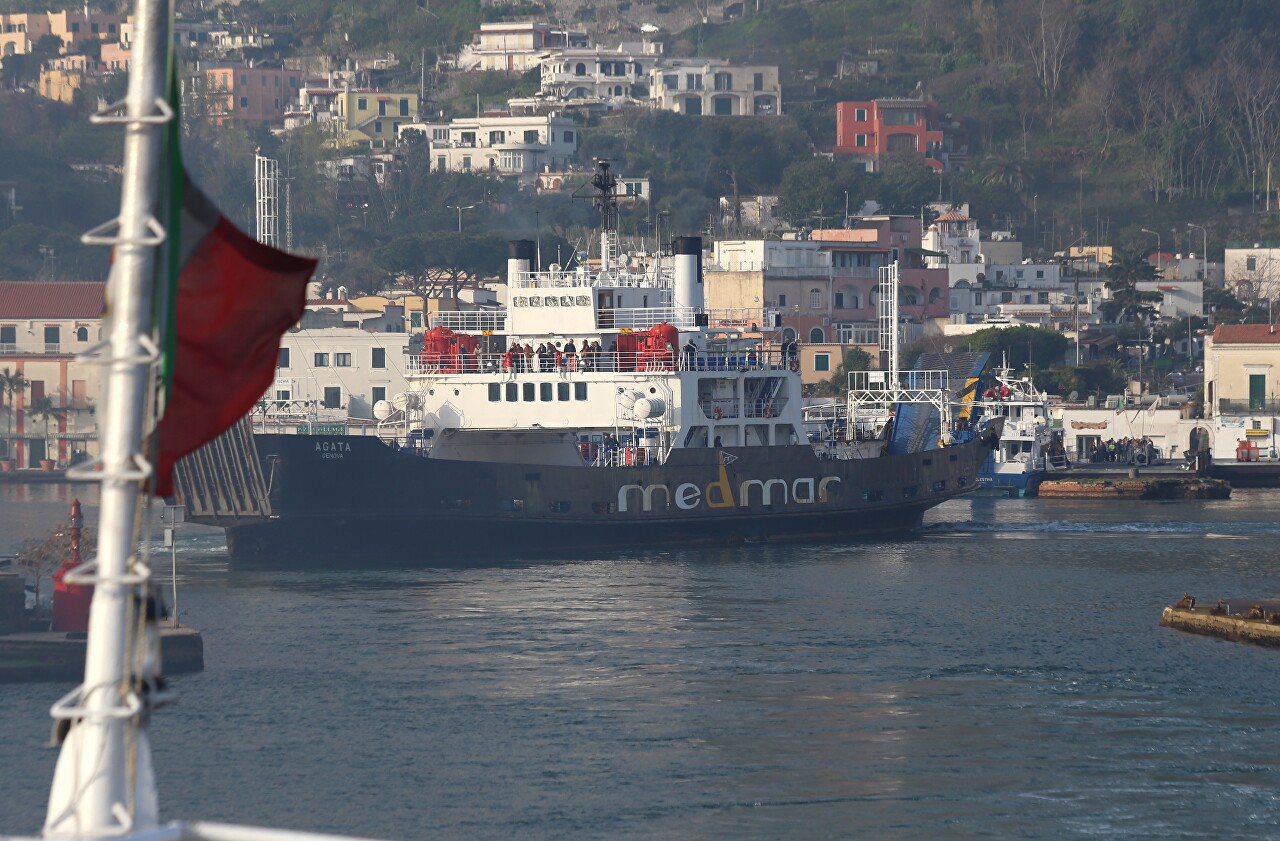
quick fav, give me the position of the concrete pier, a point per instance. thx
(1235, 628)
(53, 655)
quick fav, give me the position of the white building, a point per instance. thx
(605, 78)
(334, 375)
(1178, 298)
(710, 86)
(955, 235)
(502, 145)
(515, 47)
(1035, 294)
(1252, 272)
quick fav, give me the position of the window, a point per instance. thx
(723, 81)
(545, 392)
(379, 393)
(82, 334)
(321, 360)
(531, 135)
(496, 137)
(579, 391)
(282, 394)
(1257, 392)
(671, 82)
(530, 392)
(580, 69)
(822, 362)
(440, 166)
(244, 102)
(839, 301)
(75, 27)
(1043, 298)
(377, 126)
(282, 359)
(757, 83)
(815, 299)
(513, 392)
(466, 162)
(900, 118)
(93, 27)
(8, 338)
(562, 391)
(495, 392)
(860, 115)
(404, 108)
(244, 78)
(722, 106)
(1040, 273)
(860, 140)
(263, 79)
(692, 82)
(977, 299)
(415, 320)
(816, 336)
(342, 360)
(379, 357)
(1250, 264)
(52, 338)
(362, 104)
(568, 137)
(782, 300)
(332, 397)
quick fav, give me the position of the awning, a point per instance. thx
(924, 252)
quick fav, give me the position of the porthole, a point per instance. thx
(455, 392)
(653, 390)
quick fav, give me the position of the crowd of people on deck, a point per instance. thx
(1124, 451)
(557, 356)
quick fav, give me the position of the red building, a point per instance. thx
(868, 130)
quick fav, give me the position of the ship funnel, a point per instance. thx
(688, 273)
(520, 256)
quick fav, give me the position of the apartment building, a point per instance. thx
(868, 131)
(516, 47)
(712, 87)
(253, 95)
(509, 146)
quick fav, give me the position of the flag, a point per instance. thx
(223, 301)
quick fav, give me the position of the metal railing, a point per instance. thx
(1269, 406)
(474, 321)
(622, 362)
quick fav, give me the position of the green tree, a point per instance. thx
(46, 410)
(1127, 302)
(1016, 346)
(12, 383)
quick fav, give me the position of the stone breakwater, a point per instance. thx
(1182, 488)
(1235, 628)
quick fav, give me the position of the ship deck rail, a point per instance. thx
(612, 362)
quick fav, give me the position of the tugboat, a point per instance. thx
(602, 410)
(1028, 450)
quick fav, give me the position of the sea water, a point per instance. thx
(1000, 676)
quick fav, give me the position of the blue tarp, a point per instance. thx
(915, 426)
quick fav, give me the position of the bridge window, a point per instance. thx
(495, 392)
(513, 392)
(579, 391)
(562, 391)
(544, 392)
(530, 392)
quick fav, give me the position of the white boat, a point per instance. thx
(1029, 449)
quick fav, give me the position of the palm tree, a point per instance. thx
(1128, 303)
(44, 409)
(11, 384)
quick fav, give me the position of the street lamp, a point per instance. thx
(459, 208)
(1204, 279)
(1159, 268)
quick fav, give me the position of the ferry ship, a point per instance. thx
(600, 410)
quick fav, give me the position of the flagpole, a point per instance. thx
(97, 790)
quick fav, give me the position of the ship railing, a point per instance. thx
(646, 317)
(725, 408)
(626, 456)
(474, 321)
(575, 279)
(613, 362)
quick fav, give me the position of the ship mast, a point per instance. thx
(103, 786)
(606, 201)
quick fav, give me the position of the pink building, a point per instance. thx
(251, 94)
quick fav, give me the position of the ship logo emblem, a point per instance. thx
(726, 458)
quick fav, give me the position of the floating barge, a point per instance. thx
(1224, 626)
(1191, 487)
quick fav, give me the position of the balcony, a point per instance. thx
(1269, 406)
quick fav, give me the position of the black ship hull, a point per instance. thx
(351, 497)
